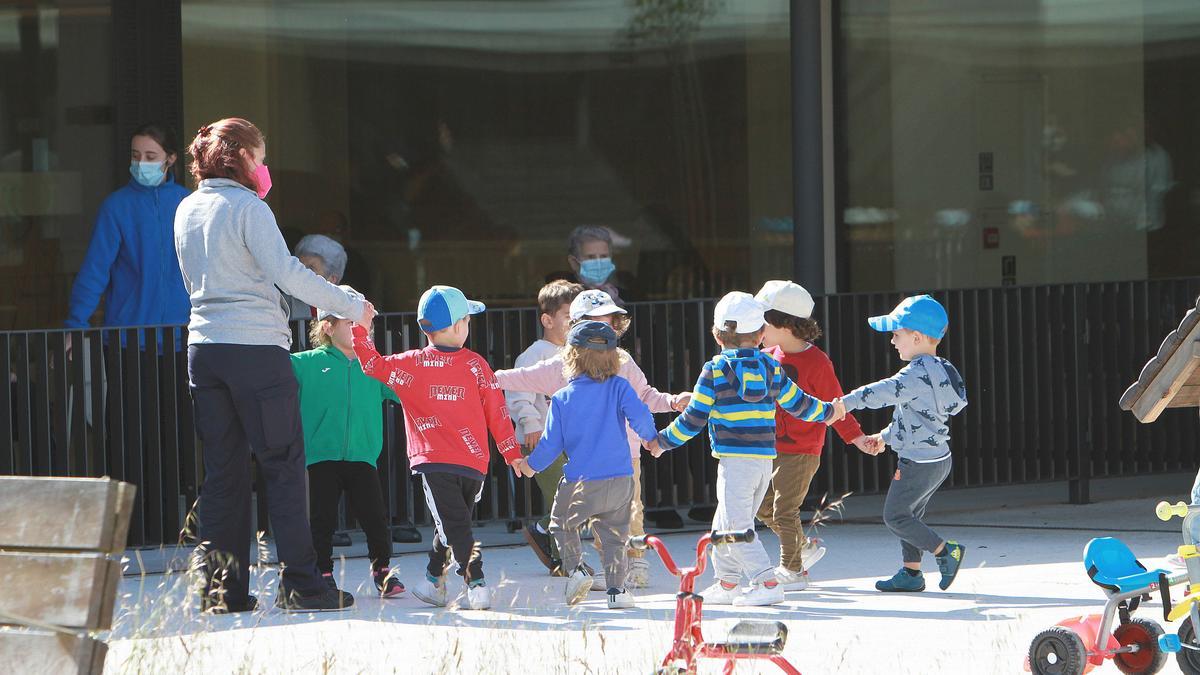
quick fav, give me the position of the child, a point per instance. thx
(925, 393)
(735, 397)
(451, 402)
(343, 435)
(587, 420)
(528, 409)
(788, 336)
(547, 378)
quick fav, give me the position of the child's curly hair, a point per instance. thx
(803, 329)
(598, 365)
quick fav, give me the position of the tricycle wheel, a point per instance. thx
(1147, 659)
(1188, 659)
(1057, 651)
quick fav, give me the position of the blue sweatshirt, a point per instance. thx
(131, 261)
(925, 394)
(587, 420)
(735, 397)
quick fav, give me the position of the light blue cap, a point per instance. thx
(444, 306)
(919, 312)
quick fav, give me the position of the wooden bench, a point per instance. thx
(61, 541)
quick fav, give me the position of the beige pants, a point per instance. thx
(780, 510)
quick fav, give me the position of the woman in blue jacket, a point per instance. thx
(131, 260)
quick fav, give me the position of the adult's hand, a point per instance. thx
(532, 438)
(368, 316)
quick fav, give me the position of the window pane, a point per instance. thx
(1031, 141)
(461, 142)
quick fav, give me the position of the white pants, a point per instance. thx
(742, 483)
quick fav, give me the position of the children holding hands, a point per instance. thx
(924, 395)
(587, 420)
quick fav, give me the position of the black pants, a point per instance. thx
(246, 400)
(327, 481)
(451, 499)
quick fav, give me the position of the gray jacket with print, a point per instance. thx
(925, 394)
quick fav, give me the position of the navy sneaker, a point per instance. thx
(949, 562)
(902, 582)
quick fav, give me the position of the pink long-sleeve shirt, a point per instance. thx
(546, 377)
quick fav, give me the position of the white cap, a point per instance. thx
(742, 309)
(593, 303)
(323, 314)
(786, 297)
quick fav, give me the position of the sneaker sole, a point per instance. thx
(758, 603)
(394, 594)
(628, 605)
(900, 590)
(537, 550)
(297, 610)
(806, 563)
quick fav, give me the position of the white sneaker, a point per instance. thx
(719, 595)
(759, 595)
(598, 581)
(431, 593)
(811, 553)
(479, 597)
(639, 573)
(578, 585)
(620, 598)
(791, 581)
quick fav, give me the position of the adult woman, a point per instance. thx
(235, 264)
(589, 253)
(131, 258)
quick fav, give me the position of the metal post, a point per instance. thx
(808, 176)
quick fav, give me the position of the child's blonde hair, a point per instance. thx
(598, 365)
(317, 337)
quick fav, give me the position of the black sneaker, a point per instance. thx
(342, 539)
(387, 584)
(213, 607)
(540, 542)
(327, 577)
(329, 600)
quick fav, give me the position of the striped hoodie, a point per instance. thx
(735, 397)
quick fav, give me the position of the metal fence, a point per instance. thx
(1044, 367)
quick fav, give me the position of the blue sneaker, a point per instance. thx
(949, 562)
(902, 582)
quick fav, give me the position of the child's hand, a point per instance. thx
(839, 412)
(653, 447)
(532, 438)
(521, 468)
(865, 444)
(681, 401)
(875, 444)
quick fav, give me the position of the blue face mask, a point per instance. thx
(149, 174)
(596, 271)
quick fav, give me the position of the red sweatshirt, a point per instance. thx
(812, 371)
(451, 400)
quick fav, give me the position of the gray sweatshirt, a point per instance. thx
(925, 394)
(235, 263)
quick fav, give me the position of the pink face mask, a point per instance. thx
(263, 178)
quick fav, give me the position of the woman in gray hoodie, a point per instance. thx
(236, 269)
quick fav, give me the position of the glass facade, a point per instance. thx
(461, 142)
(1018, 142)
(56, 163)
(976, 143)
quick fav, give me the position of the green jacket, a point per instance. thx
(339, 407)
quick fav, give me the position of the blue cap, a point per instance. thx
(444, 306)
(593, 335)
(919, 312)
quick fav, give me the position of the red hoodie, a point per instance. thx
(812, 371)
(451, 400)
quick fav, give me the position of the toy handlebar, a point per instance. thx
(719, 537)
(1165, 511)
(639, 543)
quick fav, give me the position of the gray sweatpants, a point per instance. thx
(742, 482)
(912, 487)
(606, 504)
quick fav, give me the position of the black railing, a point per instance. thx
(1044, 367)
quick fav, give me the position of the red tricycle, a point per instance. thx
(747, 640)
